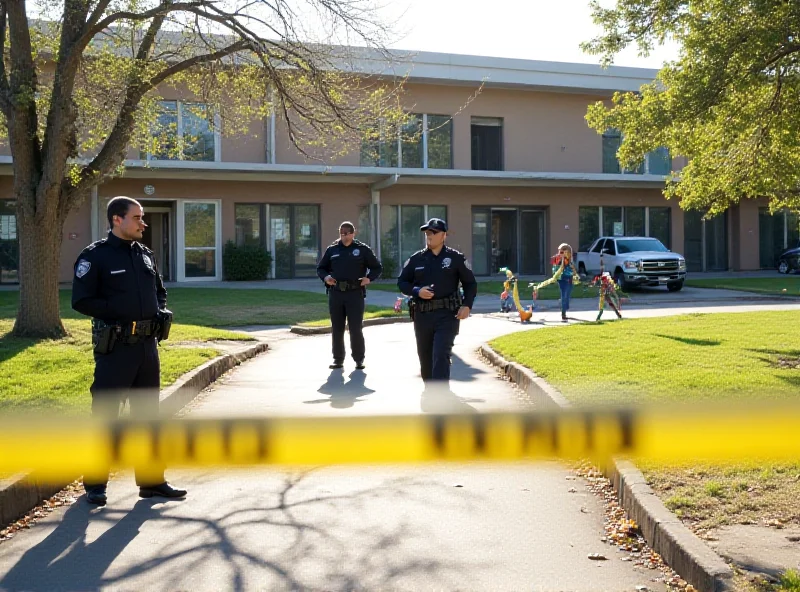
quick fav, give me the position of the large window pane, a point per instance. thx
(588, 226)
(634, 221)
(306, 240)
(437, 212)
(364, 229)
(659, 162)
(411, 135)
(717, 243)
(767, 238)
(660, 225)
(411, 239)
(440, 142)
(612, 221)
(280, 226)
(480, 241)
(9, 243)
(198, 137)
(248, 224)
(390, 252)
(201, 263)
(792, 230)
(611, 143)
(200, 226)
(165, 130)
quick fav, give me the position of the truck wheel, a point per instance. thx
(675, 286)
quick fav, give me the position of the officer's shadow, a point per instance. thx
(65, 556)
(438, 398)
(343, 395)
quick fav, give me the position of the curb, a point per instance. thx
(301, 330)
(20, 494)
(682, 550)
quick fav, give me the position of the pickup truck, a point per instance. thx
(634, 261)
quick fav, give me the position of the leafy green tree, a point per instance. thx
(730, 103)
(81, 84)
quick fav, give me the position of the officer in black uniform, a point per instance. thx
(431, 276)
(117, 283)
(343, 268)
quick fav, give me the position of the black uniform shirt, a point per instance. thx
(117, 281)
(349, 263)
(443, 271)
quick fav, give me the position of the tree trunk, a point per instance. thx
(39, 256)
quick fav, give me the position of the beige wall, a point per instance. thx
(76, 236)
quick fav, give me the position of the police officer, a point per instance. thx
(431, 276)
(343, 268)
(117, 283)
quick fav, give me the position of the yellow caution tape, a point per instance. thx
(58, 450)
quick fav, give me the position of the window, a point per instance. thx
(634, 221)
(640, 244)
(657, 162)
(364, 225)
(487, 144)
(9, 243)
(423, 141)
(248, 225)
(612, 221)
(629, 221)
(185, 131)
(588, 226)
(776, 233)
(400, 234)
(598, 248)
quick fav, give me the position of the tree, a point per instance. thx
(81, 83)
(730, 104)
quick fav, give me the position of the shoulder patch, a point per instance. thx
(82, 268)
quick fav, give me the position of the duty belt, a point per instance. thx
(453, 302)
(347, 285)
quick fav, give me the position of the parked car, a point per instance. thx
(789, 260)
(634, 261)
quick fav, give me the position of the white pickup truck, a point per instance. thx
(634, 261)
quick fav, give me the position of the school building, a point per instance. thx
(515, 172)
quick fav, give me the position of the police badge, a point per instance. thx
(356, 252)
(446, 263)
(83, 268)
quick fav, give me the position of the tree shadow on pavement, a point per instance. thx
(343, 395)
(276, 535)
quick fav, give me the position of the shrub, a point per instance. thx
(241, 263)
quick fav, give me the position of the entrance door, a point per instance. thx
(199, 238)
(504, 240)
(532, 242)
(156, 238)
(705, 245)
(294, 240)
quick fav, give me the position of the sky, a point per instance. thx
(528, 29)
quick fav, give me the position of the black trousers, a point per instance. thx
(435, 332)
(131, 372)
(347, 306)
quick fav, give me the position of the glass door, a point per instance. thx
(280, 238)
(532, 242)
(504, 240)
(693, 240)
(481, 245)
(199, 240)
(306, 240)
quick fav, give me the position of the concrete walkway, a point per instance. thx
(468, 527)
(475, 526)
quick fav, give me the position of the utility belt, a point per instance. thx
(106, 335)
(452, 302)
(346, 286)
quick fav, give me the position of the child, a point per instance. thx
(567, 275)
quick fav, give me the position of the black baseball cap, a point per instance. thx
(435, 224)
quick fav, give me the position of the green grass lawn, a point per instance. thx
(56, 374)
(495, 288)
(684, 358)
(371, 312)
(780, 285)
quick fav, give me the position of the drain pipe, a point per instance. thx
(375, 208)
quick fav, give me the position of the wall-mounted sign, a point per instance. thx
(149, 190)
(618, 229)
